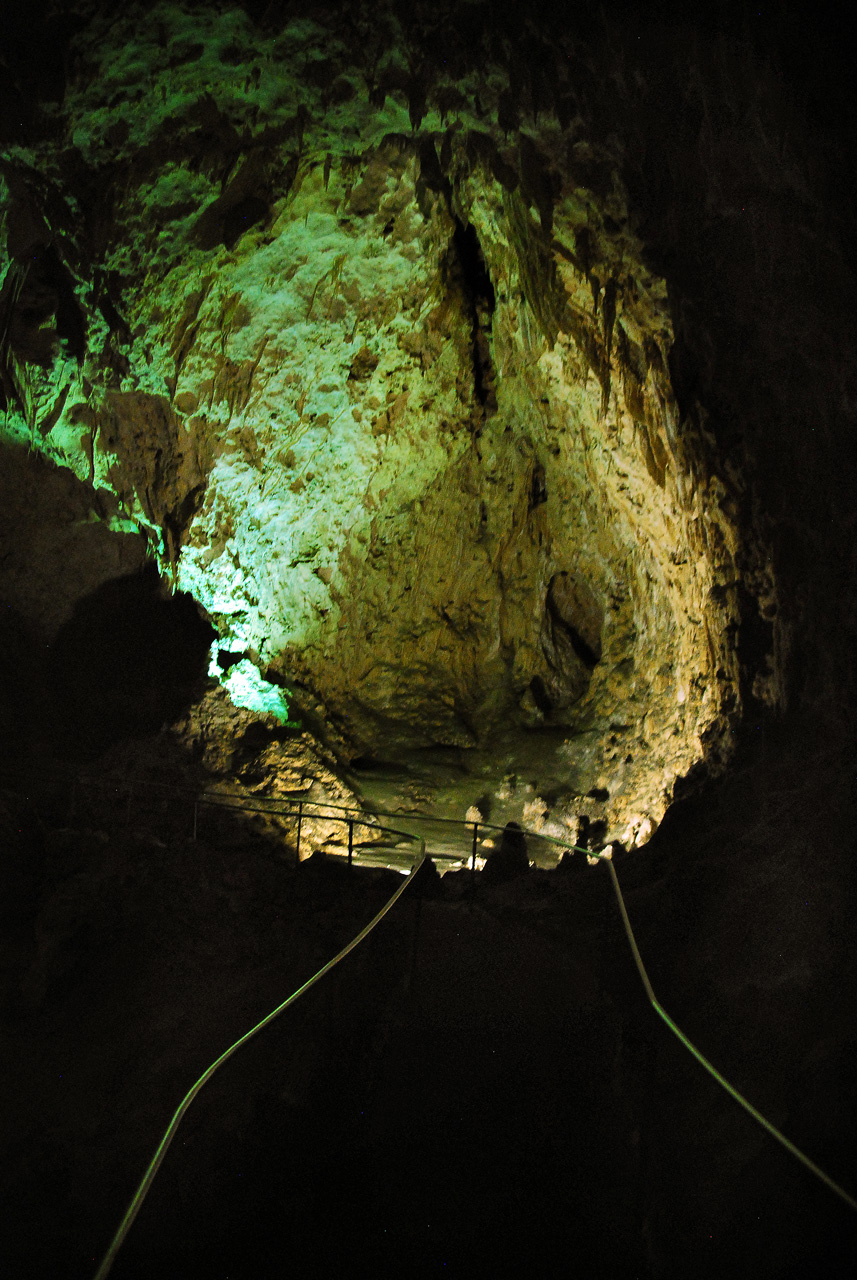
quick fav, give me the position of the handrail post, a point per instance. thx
(298, 838)
(350, 839)
(473, 854)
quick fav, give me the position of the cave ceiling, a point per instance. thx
(352, 321)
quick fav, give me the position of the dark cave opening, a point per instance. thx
(71, 323)
(227, 658)
(574, 609)
(481, 300)
(39, 290)
(241, 217)
(538, 487)
(541, 696)
(126, 662)
(477, 281)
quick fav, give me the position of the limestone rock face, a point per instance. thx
(382, 375)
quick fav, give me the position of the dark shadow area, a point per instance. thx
(38, 303)
(34, 39)
(746, 886)
(240, 217)
(126, 662)
(480, 1090)
(477, 281)
(19, 661)
(466, 266)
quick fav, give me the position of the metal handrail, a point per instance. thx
(156, 1161)
(360, 818)
(296, 806)
(410, 815)
(365, 819)
(212, 797)
(350, 821)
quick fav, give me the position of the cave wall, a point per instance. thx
(738, 178)
(361, 330)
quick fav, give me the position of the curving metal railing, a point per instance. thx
(163, 1146)
(478, 833)
(355, 819)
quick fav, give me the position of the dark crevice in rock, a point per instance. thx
(538, 487)
(102, 298)
(247, 213)
(570, 643)
(70, 321)
(177, 520)
(432, 177)
(479, 294)
(540, 695)
(581, 648)
(476, 278)
(227, 658)
(244, 202)
(365, 764)
(41, 291)
(574, 609)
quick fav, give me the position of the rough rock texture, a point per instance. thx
(375, 360)
(549, 1114)
(245, 755)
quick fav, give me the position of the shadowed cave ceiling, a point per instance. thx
(352, 321)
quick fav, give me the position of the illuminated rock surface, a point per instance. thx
(491, 392)
(384, 380)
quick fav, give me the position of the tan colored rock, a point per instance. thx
(435, 472)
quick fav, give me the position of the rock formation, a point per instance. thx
(366, 344)
(469, 390)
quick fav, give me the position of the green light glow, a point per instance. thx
(122, 524)
(247, 688)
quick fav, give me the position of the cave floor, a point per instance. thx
(529, 777)
(480, 1088)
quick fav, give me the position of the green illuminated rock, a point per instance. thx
(382, 377)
